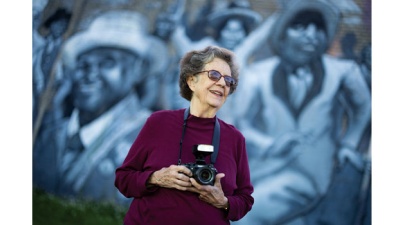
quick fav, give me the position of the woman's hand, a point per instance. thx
(172, 177)
(213, 195)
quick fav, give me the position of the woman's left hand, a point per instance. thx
(213, 195)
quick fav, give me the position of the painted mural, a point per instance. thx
(100, 68)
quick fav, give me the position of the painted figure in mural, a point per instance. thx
(347, 44)
(38, 43)
(163, 27)
(45, 57)
(77, 156)
(236, 18)
(157, 171)
(288, 117)
(151, 97)
(37, 39)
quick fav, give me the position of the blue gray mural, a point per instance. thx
(303, 101)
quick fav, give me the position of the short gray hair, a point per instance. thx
(194, 62)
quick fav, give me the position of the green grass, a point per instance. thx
(49, 209)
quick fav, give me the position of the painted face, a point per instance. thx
(303, 42)
(101, 79)
(232, 34)
(163, 28)
(59, 27)
(206, 92)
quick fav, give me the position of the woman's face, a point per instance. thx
(58, 27)
(206, 92)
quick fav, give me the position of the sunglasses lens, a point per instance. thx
(214, 75)
(229, 81)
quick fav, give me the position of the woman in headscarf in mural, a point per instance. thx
(288, 117)
(77, 156)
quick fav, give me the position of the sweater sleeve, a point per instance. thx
(131, 177)
(241, 201)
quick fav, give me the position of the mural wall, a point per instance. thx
(101, 67)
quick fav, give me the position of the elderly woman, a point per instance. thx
(162, 173)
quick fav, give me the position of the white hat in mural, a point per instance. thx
(330, 16)
(117, 29)
(240, 10)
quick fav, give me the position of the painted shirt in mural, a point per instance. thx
(292, 151)
(87, 169)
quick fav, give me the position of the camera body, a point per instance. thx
(203, 173)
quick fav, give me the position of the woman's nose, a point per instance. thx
(221, 82)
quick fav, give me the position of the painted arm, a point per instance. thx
(254, 40)
(358, 99)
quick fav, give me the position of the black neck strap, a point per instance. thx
(215, 140)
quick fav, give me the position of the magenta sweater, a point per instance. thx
(157, 146)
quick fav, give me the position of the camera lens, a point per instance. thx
(205, 175)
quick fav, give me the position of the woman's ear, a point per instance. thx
(191, 81)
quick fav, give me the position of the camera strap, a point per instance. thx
(215, 140)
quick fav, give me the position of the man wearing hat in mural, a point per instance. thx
(294, 146)
(78, 155)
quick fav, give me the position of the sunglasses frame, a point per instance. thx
(228, 83)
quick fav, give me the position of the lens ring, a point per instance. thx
(204, 175)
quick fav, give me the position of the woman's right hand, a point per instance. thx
(174, 176)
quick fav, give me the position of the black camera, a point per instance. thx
(203, 173)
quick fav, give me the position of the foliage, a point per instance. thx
(50, 209)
